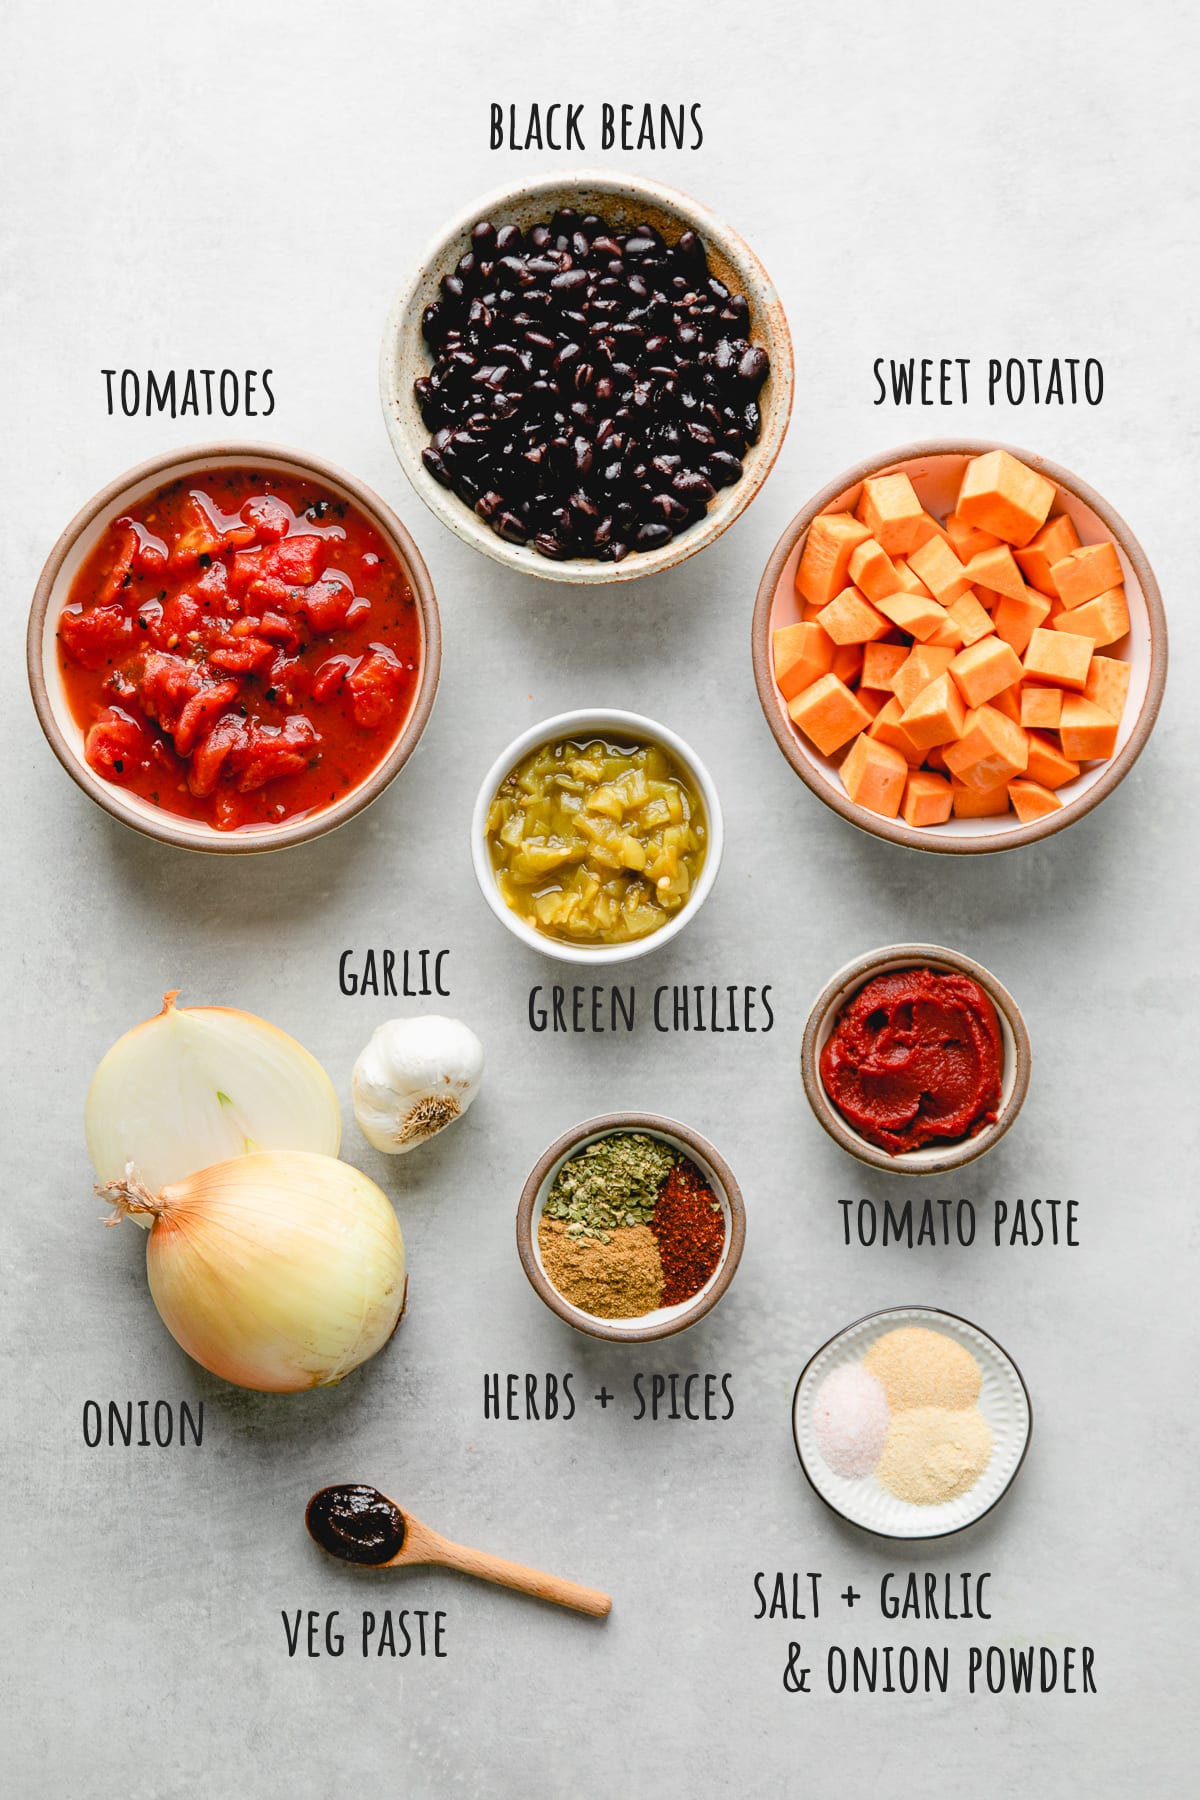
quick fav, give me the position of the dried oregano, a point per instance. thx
(613, 1181)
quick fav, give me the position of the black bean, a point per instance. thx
(590, 389)
(753, 368)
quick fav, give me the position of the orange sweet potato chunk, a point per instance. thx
(828, 714)
(1086, 733)
(1032, 801)
(949, 634)
(967, 540)
(889, 508)
(825, 560)
(1108, 685)
(936, 716)
(1104, 619)
(1017, 620)
(1041, 707)
(1004, 496)
(985, 670)
(1059, 658)
(1083, 573)
(872, 569)
(851, 619)
(997, 569)
(1047, 763)
(972, 619)
(906, 581)
(847, 663)
(928, 799)
(940, 570)
(874, 776)
(1057, 538)
(918, 615)
(979, 803)
(923, 664)
(991, 748)
(880, 662)
(886, 728)
(801, 654)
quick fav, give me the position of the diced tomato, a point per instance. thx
(180, 615)
(97, 635)
(330, 676)
(199, 537)
(326, 604)
(118, 575)
(269, 518)
(241, 654)
(359, 611)
(168, 683)
(115, 745)
(150, 557)
(202, 706)
(268, 590)
(210, 755)
(274, 626)
(374, 688)
(273, 752)
(297, 559)
(211, 588)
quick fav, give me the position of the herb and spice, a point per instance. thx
(630, 1225)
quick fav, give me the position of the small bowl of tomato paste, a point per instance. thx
(915, 1059)
(234, 648)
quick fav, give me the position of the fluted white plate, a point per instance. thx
(1003, 1401)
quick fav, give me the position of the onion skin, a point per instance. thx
(278, 1272)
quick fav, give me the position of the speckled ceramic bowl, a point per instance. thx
(625, 201)
(667, 1320)
(935, 470)
(933, 1159)
(65, 736)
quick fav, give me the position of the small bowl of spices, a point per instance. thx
(630, 1227)
(911, 1423)
(588, 377)
(915, 1059)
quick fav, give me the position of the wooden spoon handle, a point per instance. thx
(514, 1575)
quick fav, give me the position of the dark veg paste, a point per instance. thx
(915, 1058)
(357, 1523)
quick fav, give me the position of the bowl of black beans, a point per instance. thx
(588, 377)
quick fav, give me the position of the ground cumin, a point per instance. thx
(621, 1279)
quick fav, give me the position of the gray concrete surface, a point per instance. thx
(187, 187)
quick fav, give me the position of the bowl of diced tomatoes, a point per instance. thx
(234, 648)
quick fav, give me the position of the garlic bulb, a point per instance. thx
(415, 1077)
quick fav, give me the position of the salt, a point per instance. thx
(850, 1419)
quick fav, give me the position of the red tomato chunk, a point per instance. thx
(242, 651)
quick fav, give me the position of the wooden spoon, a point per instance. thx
(360, 1525)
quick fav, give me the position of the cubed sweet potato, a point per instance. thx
(928, 799)
(874, 776)
(825, 559)
(801, 653)
(991, 748)
(985, 669)
(1055, 540)
(1059, 659)
(828, 714)
(889, 508)
(1005, 496)
(1083, 573)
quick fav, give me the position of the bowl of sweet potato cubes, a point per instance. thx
(960, 647)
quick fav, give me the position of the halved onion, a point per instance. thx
(196, 1085)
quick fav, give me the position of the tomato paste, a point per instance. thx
(915, 1058)
(242, 648)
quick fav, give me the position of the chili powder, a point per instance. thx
(690, 1227)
